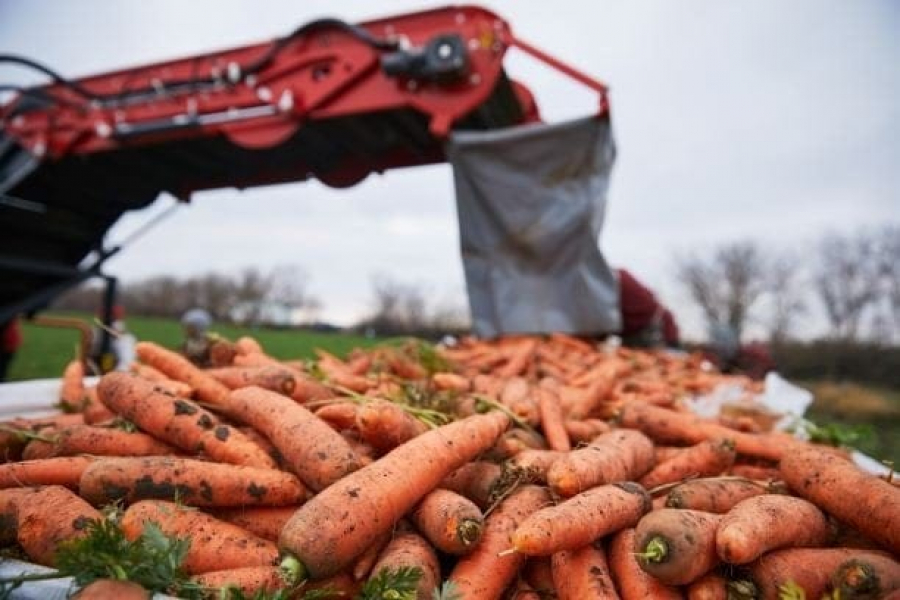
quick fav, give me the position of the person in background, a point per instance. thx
(10, 340)
(646, 323)
(196, 323)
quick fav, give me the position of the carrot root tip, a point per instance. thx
(469, 531)
(507, 552)
(655, 551)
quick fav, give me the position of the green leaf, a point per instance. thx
(447, 591)
(392, 584)
(837, 434)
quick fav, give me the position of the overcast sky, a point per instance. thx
(767, 120)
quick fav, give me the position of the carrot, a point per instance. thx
(263, 521)
(715, 494)
(179, 368)
(194, 482)
(106, 441)
(103, 589)
(451, 522)
(307, 389)
(711, 586)
(249, 580)
(582, 574)
(532, 465)
(538, 572)
(450, 382)
(384, 425)
(475, 480)
(247, 345)
(810, 569)
(47, 517)
(763, 523)
(520, 590)
(518, 358)
(71, 392)
(338, 373)
(755, 472)
(275, 378)
(65, 471)
(620, 455)
(179, 421)
(517, 440)
(363, 565)
(600, 384)
(871, 576)
(339, 415)
(663, 453)
(631, 580)
(96, 412)
(312, 449)
(215, 544)
(517, 395)
(709, 457)
(41, 448)
(9, 499)
(335, 526)
(221, 352)
(584, 431)
(671, 427)
(581, 519)
(677, 546)
(411, 551)
(552, 420)
(863, 501)
(486, 571)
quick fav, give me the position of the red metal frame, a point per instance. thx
(323, 74)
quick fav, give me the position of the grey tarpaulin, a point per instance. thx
(531, 201)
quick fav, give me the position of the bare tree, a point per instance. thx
(786, 293)
(888, 249)
(727, 284)
(847, 277)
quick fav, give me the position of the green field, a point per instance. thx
(46, 350)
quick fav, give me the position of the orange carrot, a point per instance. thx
(755, 472)
(248, 345)
(487, 570)
(584, 431)
(263, 521)
(221, 352)
(581, 519)
(619, 455)
(709, 457)
(532, 465)
(193, 482)
(48, 516)
(863, 501)
(451, 522)
(552, 420)
(475, 480)
(870, 576)
(631, 580)
(41, 448)
(711, 586)
(384, 425)
(340, 415)
(599, 385)
(166, 384)
(179, 368)
(312, 449)
(408, 550)
(677, 546)
(338, 373)
(517, 395)
(519, 355)
(71, 393)
(363, 565)
(103, 589)
(96, 412)
(582, 574)
(106, 441)
(763, 523)
(337, 525)
(179, 421)
(249, 580)
(64, 470)
(215, 544)
(307, 389)
(275, 378)
(451, 382)
(715, 494)
(9, 499)
(538, 572)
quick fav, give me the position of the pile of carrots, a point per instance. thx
(521, 468)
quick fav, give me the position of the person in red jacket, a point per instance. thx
(645, 321)
(10, 340)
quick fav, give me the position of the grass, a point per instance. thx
(45, 351)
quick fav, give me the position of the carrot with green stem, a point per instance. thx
(488, 570)
(409, 551)
(763, 523)
(620, 455)
(193, 482)
(863, 501)
(215, 544)
(715, 494)
(870, 576)
(677, 546)
(327, 533)
(179, 421)
(451, 522)
(312, 449)
(581, 519)
(64, 470)
(709, 457)
(179, 368)
(582, 574)
(632, 582)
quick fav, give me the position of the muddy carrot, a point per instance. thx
(177, 367)
(248, 580)
(9, 499)
(106, 441)
(337, 525)
(193, 482)
(632, 582)
(581, 519)
(582, 574)
(48, 516)
(714, 494)
(409, 550)
(451, 522)
(384, 425)
(104, 589)
(475, 480)
(518, 358)
(312, 449)
(363, 565)
(64, 470)
(275, 378)
(755, 472)
(488, 570)
(861, 500)
(763, 523)
(552, 420)
(599, 385)
(264, 521)
(215, 544)
(532, 465)
(179, 421)
(677, 546)
(585, 430)
(711, 586)
(340, 415)
(538, 572)
(709, 457)
(451, 382)
(71, 393)
(869, 576)
(620, 455)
